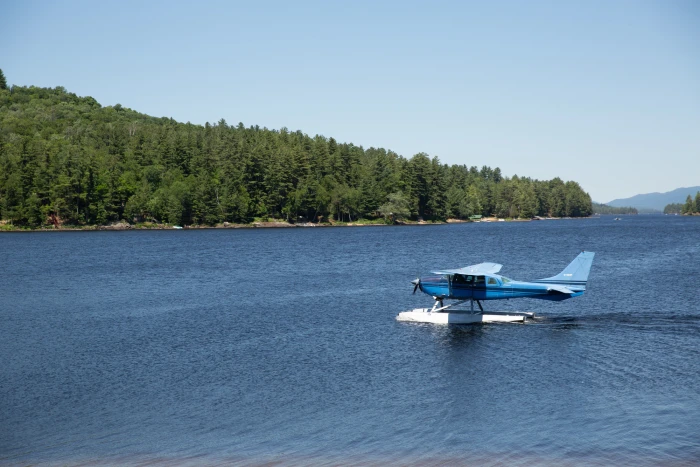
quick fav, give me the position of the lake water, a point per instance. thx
(281, 345)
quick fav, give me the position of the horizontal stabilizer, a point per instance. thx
(482, 268)
(560, 289)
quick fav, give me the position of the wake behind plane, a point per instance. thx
(482, 282)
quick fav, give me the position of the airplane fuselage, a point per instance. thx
(493, 287)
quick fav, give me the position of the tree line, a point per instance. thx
(691, 206)
(599, 208)
(67, 159)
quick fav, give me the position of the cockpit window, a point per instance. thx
(492, 281)
(505, 280)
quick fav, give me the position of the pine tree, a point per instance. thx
(697, 201)
(3, 81)
(397, 207)
(689, 206)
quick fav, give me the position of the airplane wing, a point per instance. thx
(482, 268)
(559, 289)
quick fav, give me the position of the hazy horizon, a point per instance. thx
(601, 93)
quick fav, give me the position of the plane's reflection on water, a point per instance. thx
(458, 335)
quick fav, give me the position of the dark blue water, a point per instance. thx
(281, 345)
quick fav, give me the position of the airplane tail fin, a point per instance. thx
(575, 274)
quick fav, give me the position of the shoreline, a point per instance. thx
(225, 225)
(123, 226)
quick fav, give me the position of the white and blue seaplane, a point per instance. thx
(480, 282)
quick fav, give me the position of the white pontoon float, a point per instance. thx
(439, 315)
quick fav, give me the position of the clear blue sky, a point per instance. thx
(606, 93)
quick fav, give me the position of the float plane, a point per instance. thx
(482, 282)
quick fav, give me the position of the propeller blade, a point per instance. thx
(417, 283)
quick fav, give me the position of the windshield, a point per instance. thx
(505, 280)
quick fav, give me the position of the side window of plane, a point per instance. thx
(492, 281)
(479, 280)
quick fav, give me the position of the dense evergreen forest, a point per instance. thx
(66, 159)
(605, 209)
(674, 208)
(690, 206)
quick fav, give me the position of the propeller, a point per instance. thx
(416, 284)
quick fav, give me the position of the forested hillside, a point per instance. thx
(67, 159)
(605, 209)
(656, 201)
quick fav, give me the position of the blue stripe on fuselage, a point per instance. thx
(439, 286)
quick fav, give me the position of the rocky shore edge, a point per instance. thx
(225, 225)
(4, 227)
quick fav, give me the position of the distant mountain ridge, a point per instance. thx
(656, 201)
